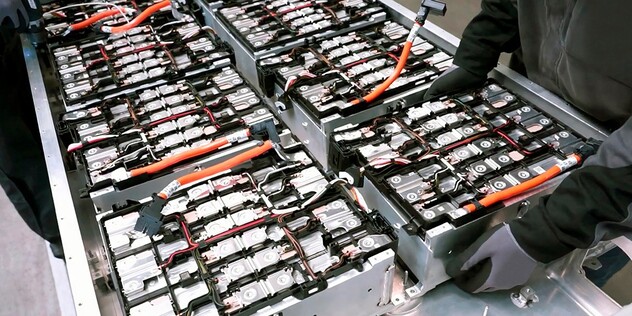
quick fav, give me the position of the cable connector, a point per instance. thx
(266, 127)
(589, 148)
(238, 137)
(119, 174)
(150, 218)
(430, 6)
(67, 31)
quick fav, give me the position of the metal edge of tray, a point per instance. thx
(84, 295)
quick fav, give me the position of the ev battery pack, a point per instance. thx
(276, 233)
(432, 158)
(99, 68)
(144, 127)
(228, 245)
(259, 29)
(314, 84)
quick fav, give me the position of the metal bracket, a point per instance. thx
(414, 291)
(525, 298)
(267, 126)
(387, 290)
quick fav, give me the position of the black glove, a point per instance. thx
(14, 15)
(452, 80)
(495, 261)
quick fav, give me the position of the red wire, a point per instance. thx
(307, 5)
(513, 143)
(393, 56)
(105, 56)
(356, 63)
(212, 117)
(192, 246)
(172, 117)
(465, 141)
(238, 229)
(187, 234)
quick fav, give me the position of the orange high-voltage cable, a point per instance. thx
(96, 18)
(150, 218)
(427, 7)
(137, 20)
(192, 153)
(508, 193)
(215, 169)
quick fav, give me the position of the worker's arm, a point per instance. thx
(592, 204)
(493, 31)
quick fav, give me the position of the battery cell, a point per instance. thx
(246, 254)
(325, 75)
(454, 156)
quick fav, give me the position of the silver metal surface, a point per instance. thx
(244, 59)
(85, 301)
(351, 293)
(447, 299)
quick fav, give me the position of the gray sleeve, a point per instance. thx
(592, 204)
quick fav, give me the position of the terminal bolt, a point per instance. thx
(525, 298)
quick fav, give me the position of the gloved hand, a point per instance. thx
(452, 80)
(16, 13)
(495, 261)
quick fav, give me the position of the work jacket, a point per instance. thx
(580, 50)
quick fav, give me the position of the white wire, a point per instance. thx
(361, 200)
(135, 152)
(132, 143)
(252, 180)
(456, 185)
(310, 200)
(191, 34)
(121, 12)
(429, 156)
(152, 153)
(170, 23)
(75, 146)
(285, 210)
(321, 192)
(267, 176)
(94, 4)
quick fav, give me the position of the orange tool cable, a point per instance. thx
(401, 63)
(527, 185)
(137, 20)
(170, 161)
(93, 19)
(215, 169)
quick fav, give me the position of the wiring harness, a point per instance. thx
(456, 159)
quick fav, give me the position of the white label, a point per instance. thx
(171, 188)
(539, 170)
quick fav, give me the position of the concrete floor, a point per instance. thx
(28, 286)
(30, 283)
